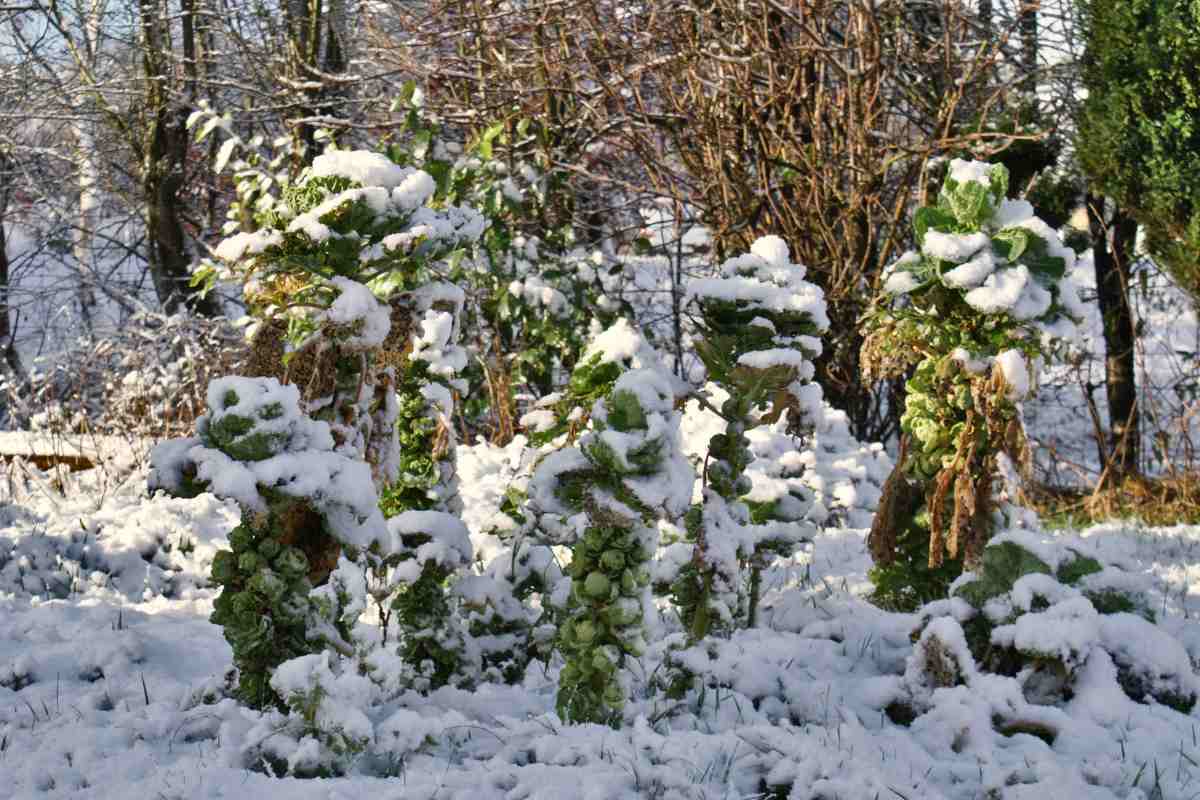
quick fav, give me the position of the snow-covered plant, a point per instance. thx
(532, 293)
(302, 502)
(509, 603)
(433, 547)
(972, 311)
(508, 632)
(758, 326)
(1048, 612)
(327, 728)
(355, 228)
(601, 499)
(353, 261)
(825, 477)
(427, 369)
(614, 351)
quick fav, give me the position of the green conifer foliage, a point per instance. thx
(973, 310)
(1138, 134)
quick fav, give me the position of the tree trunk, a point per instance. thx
(318, 46)
(1027, 21)
(165, 148)
(1112, 243)
(11, 358)
(87, 149)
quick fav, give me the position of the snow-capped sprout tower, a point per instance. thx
(601, 499)
(973, 310)
(510, 632)
(347, 270)
(355, 228)
(759, 323)
(343, 275)
(432, 547)
(302, 503)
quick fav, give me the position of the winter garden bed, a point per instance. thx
(661, 592)
(111, 686)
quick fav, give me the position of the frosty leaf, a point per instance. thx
(489, 136)
(1011, 242)
(421, 142)
(1077, 568)
(999, 180)
(225, 153)
(970, 203)
(931, 218)
(1003, 564)
(210, 125)
(625, 412)
(1051, 267)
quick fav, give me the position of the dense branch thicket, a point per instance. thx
(816, 123)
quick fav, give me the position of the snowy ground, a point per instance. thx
(111, 676)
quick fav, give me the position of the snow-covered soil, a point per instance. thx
(111, 686)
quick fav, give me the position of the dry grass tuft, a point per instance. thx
(1164, 500)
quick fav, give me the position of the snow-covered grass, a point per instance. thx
(112, 686)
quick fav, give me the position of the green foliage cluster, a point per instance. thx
(989, 283)
(908, 581)
(424, 449)
(1139, 131)
(597, 370)
(939, 394)
(263, 606)
(591, 380)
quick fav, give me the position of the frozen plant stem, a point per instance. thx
(759, 321)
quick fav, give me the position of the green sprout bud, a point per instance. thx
(248, 563)
(612, 559)
(597, 585)
(602, 664)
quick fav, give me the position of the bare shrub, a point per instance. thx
(145, 382)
